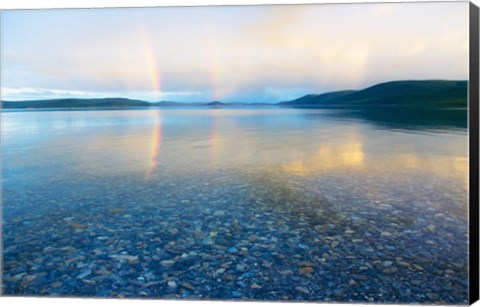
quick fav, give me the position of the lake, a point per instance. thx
(364, 205)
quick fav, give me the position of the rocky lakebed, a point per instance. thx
(230, 237)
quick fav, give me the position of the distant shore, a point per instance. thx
(425, 93)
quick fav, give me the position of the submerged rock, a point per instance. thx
(128, 258)
(84, 274)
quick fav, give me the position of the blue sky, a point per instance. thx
(243, 53)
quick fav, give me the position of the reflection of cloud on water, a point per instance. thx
(346, 155)
(350, 154)
(439, 166)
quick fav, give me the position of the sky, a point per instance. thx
(228, 53)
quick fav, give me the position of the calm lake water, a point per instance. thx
(366, 205)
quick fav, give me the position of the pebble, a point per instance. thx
(359, 277)
(416, 282)
(418, 267)
(167, 262)
(128, 258)
(56, 284)
(306, 270)
(302, 290)
(78, 226)
(150, 284)
(84, 274)
(20, 276)
(103, 272)
(116, 210)
(219, 213)
(232, 250)
(305, 263)
(223, 245)
(390, 270)
(49, 249)
(255, 286)
(338, 292)
(187, 286)
(220, 271)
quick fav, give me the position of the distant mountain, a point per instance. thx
(401, 93)
(174, 104)
(316, 99)
(216, 104)
(115, 103)
(431, 93)
(75, 103)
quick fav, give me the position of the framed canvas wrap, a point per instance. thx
(289, 152)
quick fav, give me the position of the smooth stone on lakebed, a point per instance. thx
(167, 262)
(116, 210)
(232, 250)
(56, 284)
(390, 270)
(338, 292)
(305, 263)
(219, 213)
(49, 249)
(78, 226)
(306, 270)
(302, 290)
(187, 286)
(128, 258)
(84, 274)
(359, 277)
(255, 286)
(220, 271)
(103, 272)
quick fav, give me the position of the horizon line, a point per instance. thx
(231, 102)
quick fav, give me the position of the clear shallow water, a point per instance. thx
(263, 204)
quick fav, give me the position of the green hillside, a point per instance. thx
(431, 93)
(322, 98)
(403, 93)
(75, 103)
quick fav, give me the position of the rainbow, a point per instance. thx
(214, 69)
(214, 77)
(152, 62)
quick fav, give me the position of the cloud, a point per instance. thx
(250, 53)
(42, 93)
